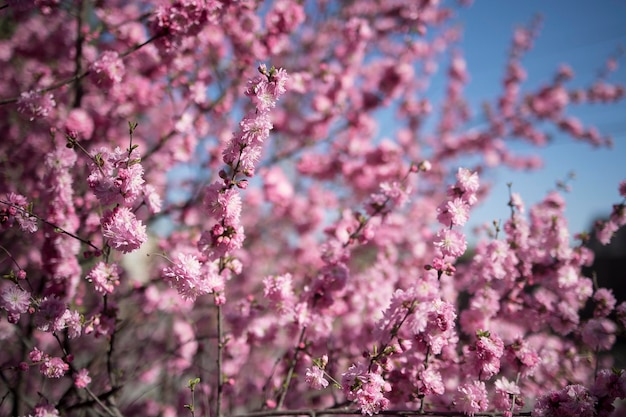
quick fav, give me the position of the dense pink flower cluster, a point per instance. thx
(15, 209)
(455, 212)
(366, 388)
(108, 70)
(36, 105)
(192, 278)
(342, 278)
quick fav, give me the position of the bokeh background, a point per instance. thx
(582, 34)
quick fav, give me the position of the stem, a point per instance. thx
(220, 349)
(399, 412)
(292, 367)
(78, 88)
(56, 228)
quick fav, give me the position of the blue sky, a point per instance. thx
(582, 34)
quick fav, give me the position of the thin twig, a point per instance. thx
(292, 367)
(220, 350)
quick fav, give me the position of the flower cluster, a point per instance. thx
(455, 212)
(244, 149)
(52, 315)
(36, 105)
(105, 277)
(347, 256)
(108, 70)
(117, 178)
(16, 209)
(192, 278)
(366, 388)
(606, 229)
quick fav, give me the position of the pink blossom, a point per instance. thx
(315, 378)
(46, 410)
(472, 397)
(599, 334)
(430, 382)
(605, 302)
(36, 355)
(73, 322)
(223, 203)
(485, 355)
(35, 105)
(467, 181)
(14, 300)
(79, 124)
(193, 279)
(451, 242)
(521, 355)
(366, 388)
(108, 70)
(505, 390)
(122, 229)
(18, 209)
(278, 290)
(82, 378)
(49, 316)
(453, 213)
(116, 176)
(571, 401)
(53, 367)
(152, 199)
(105, 277)
(221, 240)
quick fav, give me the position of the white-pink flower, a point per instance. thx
(315, 378)
(122, 229)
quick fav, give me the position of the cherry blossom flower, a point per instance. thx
(108, 70)
(193, 279)
(82, 378)
(314, 377)
(35, 105)
(471, 397)
(105, 277)
(122, 229)
(53, 367)
(14, 300)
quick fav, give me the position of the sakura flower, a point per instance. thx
(36, 355)
(46, 410)
(122, 229)
(467, 180)
(571, 401)
(278, 290)
(193, 279)
(366, 388)
(223, 203)
(14, 300)
(485, 355)
(53, 367)
(18, 210)
(451, 242)
(472, 397)
(599, 333)
(49, 316)
(315, 378)
(105, 277)
(108, 70)
(82, 378)
(35, 105)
